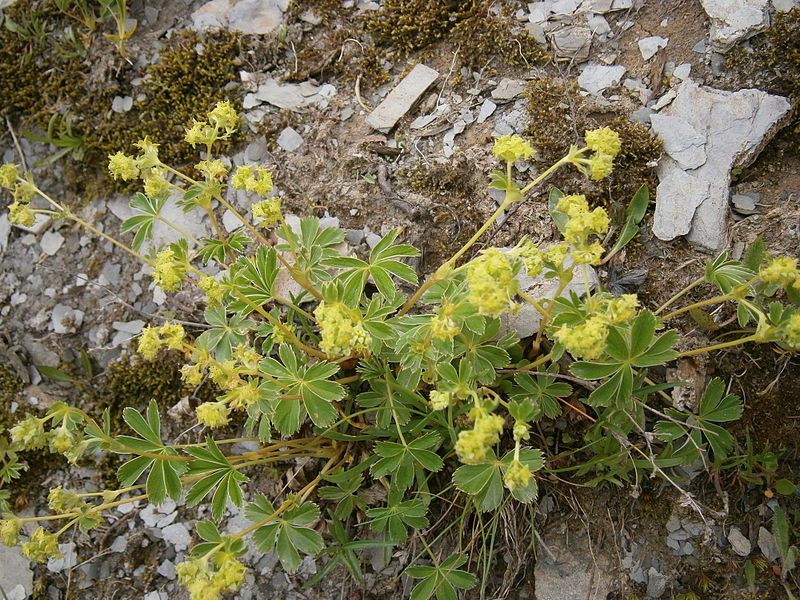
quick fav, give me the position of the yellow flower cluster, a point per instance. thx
(155, 184)
(192, 374)
(224, 117)
(268, 212)
(168, 270)
(19, 211)
(9, 531)
(530, 255)
(604, 140)
(148, 157)
(511, 147)
(206, 581)
(557, 254)
(342, 331)
(63, 501)
(242, 397)
(443, 327)
(472, 444)
(213, 414)
(212, 289)
(222, 123)
(253, 178)
(212, 170)
(42, 546)
(581, 224)
(781, 270)
(587, 340)
(517, 475)
(152, 339)
(491, 282)
(29, 433)
(440, 400)
(61, 440)
(9, 173)
(122, 166)
(790, 331)
(520, 431)
(621, 309)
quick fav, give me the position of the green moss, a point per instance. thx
(559, 118)
(10, 387)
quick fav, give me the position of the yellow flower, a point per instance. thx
(269, 211)
(781, 270)
(472, 444)
(600, 166)
(172, 335)
(155, 184)
(192, 374)
(261, 183)
(9, 173)
(440, 400)
(790, 331)
(149, 343)
(9, 531)
(212, 170)
(61, 440)
(29, 433)
(24, 191)
(587, 340)
(556, 254)
(248, 358)
(224, 117)
(341, 329)
(206, 582)
(604, 141)
(63, 501)
(622, 309)
(589, 255)
(42, 546)
(122, 166)
(148, 157)
(470, 447)
(520, 431)
(581, 226)
(443, 327)
(200, 132)
(224, 374)
(531, 257)
(511, 147)
(230, 573)
(242, 397)
(212, 289)
(517, 475)
(241, 177)
(491, 282)
(572, 205)
(168, 271)
(21, 214)
(213, 414)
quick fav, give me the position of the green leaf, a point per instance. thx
(634, 213)
(441, 580)
(394, 519)
(224, 334)
(254, 279)
(727, 274)
(141, 224)
(289, 533)
(785, 487)
(559, 218)
(402, 459)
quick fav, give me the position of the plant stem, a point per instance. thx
(720, 346)
(682, 293)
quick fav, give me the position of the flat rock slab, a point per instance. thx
(257, 17)
(734, 20)
(16, 577)
(735, 127)
(402, 98)
(567, 570)
(596, 78)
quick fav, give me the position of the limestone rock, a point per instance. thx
(572, 42)
(596, 78)
(257, 17)
(682, 142)
(740, 544)
(650, 45)
(567, 570)
(290, 140)
(734, 20)
(400, 100)
(16, 577)
(736, 125)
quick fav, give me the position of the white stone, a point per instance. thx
(5, 231)
(734, 20)
(508, 89)
(230, 221)
(487, 110)
(768, 545)
(257, 17)
(194, 222)
(682, 142)
(571, 42)
(400, 100)
(785, 5)
(686, 192)
(51, 242)
(178, 535)
(682, 72)
(67, 560)
(572, 568)
(740, 544)
(16, 576)
(565, 7)
(598, 24)
(665, 100)
(120, 544)
(284, 95)
(736, 126)
(121, 104)
(650, 45)
(66, 319)
(290, 140)
(539, 11)
(595, 78)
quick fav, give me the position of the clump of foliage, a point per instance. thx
(423, 393)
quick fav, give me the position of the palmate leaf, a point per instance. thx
(220, 477)
(214, 249)
(484, 482)
(479, 349)
(390, 403)
(345, 494)
(289, 533)
(402, 460)
(543, 392)
(394, 519)
(311, 386)
(254, 279)
(727, 274)
(382, 264)
(441, 580)
(148, 210)
(225, 334)
(312, 246)
(164, 479)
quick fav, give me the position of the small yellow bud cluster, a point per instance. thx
(63, 501)
(268, 212)
(491, 282)
(122, 166)
(146, 165)
(192, 374)
(530, 255)
(155, 184)
(587, 340)
(517, 475)
(621, 309)
(511, 147)
(153, 339)
(148, 155)
(253, 178)
(212, 289)
(9, 531)
(556, 255)
(42, 546)
(581, 224)
(169, 270)
(29, 433)
(61, 440)
(342, 330)
(212, 170)
(443, 327)
(605, 145)
(19, 211)
(472, 444)
(520, 431)
(222, 123)
(213, 414)
(781, 270)
(9, 173)
(242, 397)
(206, 581)
(790, 331)
(440, 400)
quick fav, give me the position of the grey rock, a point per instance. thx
(256, 151)
(16, 576)
(256, 17)
(564, 7)
(682, 71)
(700, 47)
(682, 142)
(402, 98)
(67, 560)
(736, 127)
(571, 41)
(785, 5)
(656, 583)
(642, 115)
(768, 545)
(739, 543)
(122, 104)
(596, 78)
(650, 45)
(508, 89)
(354, 237)
(673, 523)
(120, 544)
(566, 570)
(51, 242)
(5, 232)
(178, 535)
(284, 95)
(66, 319)
(167, 569)
(290, 140)
(744, 204)
(734, 20)
(487, 110)
(598, 24)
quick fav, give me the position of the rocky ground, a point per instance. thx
(372, 141)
